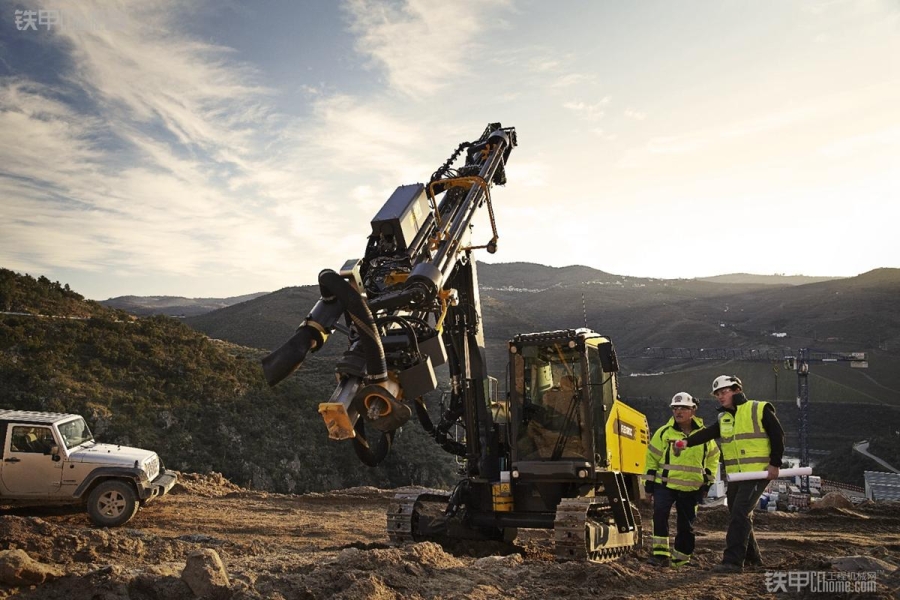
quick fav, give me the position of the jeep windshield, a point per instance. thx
(75, 432)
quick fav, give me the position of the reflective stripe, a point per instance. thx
(746, 459)
(684, 468)
(750, 436)
(676, 555)
(661, 543)
(684, 482)
(655, 452)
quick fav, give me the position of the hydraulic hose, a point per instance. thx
(333, 285)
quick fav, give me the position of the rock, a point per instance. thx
(19, 569)
(860, 563)
(204, 572)
(499, 562)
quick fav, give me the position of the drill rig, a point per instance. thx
(560, 451)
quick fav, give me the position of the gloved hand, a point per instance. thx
(702, 493)
(680, 444)
(649, 486)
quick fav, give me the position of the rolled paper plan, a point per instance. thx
(798, 471)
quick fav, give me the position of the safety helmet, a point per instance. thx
(683, 399)
(725, 381)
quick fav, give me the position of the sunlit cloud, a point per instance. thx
(586, 111)
(571, 79)
(635, 114)
(423, 45)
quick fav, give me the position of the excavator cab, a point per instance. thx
(562, 391)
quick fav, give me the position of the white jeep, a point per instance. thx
(52, 458)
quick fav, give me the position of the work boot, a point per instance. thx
(727, 568)
(756, 563)
(656, 560)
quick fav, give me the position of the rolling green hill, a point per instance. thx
(202, 404)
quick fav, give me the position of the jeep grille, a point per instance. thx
(152, 467)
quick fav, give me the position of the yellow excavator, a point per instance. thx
(560, 451)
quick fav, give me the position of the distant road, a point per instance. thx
(21, 314)
(863, 448)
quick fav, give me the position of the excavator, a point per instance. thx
(560, 451)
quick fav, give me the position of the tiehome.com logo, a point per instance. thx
(826, 582)
(69, 20)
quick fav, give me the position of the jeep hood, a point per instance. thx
(110, 454)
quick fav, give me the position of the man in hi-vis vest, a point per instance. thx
(678, 477)
(751, 439)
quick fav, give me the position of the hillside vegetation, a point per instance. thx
(202, 404)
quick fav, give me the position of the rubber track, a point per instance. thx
(402, 515)
(570, 528)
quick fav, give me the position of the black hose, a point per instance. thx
(332, 284)
(369, 454)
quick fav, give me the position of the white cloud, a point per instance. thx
(635, 114)
(588, 112)
(188, 172)
(572, 79)
(423, 45)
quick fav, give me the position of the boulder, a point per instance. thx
(204, 572)
(19, 569)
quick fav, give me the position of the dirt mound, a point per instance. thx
(212, 485)
(832, 500)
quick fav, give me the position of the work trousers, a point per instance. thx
(740, 543)
(685, 510)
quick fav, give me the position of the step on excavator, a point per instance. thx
(560, 451)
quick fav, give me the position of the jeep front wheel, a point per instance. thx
(112, 503)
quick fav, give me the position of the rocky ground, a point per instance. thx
(212, 539)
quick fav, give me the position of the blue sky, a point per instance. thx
(217, 149)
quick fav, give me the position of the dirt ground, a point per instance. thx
(334, 545)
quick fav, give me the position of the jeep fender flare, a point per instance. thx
(132, 475)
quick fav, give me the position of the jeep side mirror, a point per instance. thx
(54, 451)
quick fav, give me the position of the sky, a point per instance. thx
(213, 149)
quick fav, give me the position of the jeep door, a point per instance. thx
(28, 467)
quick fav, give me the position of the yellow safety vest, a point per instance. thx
(745, 445)
(688, 470)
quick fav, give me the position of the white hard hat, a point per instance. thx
(683, 399)
(725, 381)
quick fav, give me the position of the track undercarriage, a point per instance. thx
(584, 528)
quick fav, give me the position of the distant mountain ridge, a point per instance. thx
(515, 276)
(766, 279)
(174, 306)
